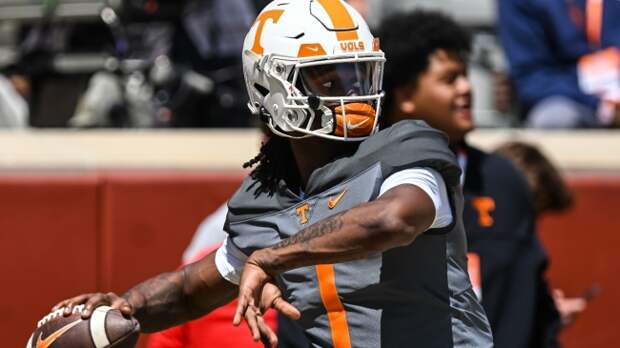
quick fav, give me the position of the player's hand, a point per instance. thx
(272, 298)
(253, 279)
(94, 300)
(568, 307)
(257, 293)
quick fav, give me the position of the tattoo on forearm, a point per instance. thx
(302, 239)
(323, 227)
(157, 298)
(364, 236)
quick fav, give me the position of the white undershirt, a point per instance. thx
(229, 260)
(429, 181)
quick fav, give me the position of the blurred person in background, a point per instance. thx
(51, 53)
(564, 60)
(208, 41)
(549, 190)
(426, 78)
(190, 74)
(214, 329)
(551, 195)
(14, 94)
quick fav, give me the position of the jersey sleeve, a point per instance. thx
(229, 261)
(429, 181)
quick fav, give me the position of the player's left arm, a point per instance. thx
(395, 219)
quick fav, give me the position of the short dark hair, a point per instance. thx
(409, 39)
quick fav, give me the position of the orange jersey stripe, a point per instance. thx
(335, 311)
(473, 267)
(341, 19)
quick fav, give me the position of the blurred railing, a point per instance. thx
(228, 149)
(34, 10)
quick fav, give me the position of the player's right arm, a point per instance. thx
(167, 299)
(173, 298)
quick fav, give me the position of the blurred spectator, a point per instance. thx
(210, 232)
(214, 329)
(426, 78)
(564, 58)
(45, 50)
(209, 41)
(550, 194)
(14, 91)
(195, 41)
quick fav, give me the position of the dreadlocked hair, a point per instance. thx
(273, 159)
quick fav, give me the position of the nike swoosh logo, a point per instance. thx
(352, 126)
(53, 337)
(313, 48)
(333, 202)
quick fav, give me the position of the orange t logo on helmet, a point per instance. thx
(274, 15)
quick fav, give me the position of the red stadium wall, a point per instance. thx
(583, 246)
(63, 234)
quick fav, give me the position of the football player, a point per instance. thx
(361, 230)
(426, 78)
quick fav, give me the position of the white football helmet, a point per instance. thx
(312, 68)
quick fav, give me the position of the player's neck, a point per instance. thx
(313, 153)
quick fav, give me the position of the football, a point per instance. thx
(106, 327)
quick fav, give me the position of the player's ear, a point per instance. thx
(404, 101)
(407, 107)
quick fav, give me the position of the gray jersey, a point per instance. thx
(413, 296)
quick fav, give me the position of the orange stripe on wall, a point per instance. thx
(341, 19)
(335, 311)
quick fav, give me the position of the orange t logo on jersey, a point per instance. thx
(484, 206)
(301, 212)
(274, 15)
